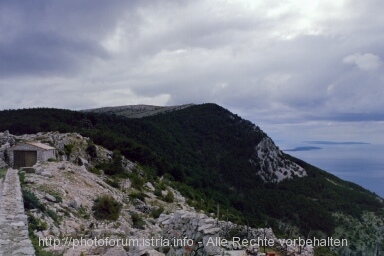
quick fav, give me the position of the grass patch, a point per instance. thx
(3, 171)
(53, 216)
(83, 212)
(94, 170)
(112, 183)
(137, 195)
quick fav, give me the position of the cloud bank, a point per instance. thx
(288, 64)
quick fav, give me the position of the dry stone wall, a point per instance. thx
(206, 234)
(13, 221)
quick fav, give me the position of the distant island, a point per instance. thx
(324, 142)
(302, 149)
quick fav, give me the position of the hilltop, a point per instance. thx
(136, 111)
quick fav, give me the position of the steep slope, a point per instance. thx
(216, 157)
(60, 196)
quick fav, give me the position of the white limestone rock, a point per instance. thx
(272, 164)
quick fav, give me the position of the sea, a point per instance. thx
(362, 164)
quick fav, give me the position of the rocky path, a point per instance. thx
(13, 221)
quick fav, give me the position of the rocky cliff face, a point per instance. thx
(272, 164)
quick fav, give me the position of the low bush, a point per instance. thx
(68, 149)
(112, 183)
(36, 224)
(155, 213)
(83, 212)
(137, 221)
(137, 181)
(31, 201)
(94, 170)
(169, 197)
(105, 207)
(3, 171)
(58, 198)
(91, 150)
(53, 216)
(137, 195)
(157, 192)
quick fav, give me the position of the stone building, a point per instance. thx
(27, 154)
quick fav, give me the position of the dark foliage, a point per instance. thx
(31, 201)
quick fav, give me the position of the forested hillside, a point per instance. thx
(205, 150)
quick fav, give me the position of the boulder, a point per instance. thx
(149, 186)
(74, 203)
(50, 198)
(82, 162)
(153, 253)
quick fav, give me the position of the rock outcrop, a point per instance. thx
(273, 165)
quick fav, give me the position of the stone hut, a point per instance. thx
(27, 154)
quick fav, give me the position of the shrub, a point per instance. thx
(112, 183)
(68, 148)
(83, 212)
(136, 181)
(58, 198)
(22, 178)
(137, 195)
(31, 201)
(169, 197)
(3, 171)
(113, 167)
(91, 150)
(155, 213)
(94, 170)
(105, 207)
(157, 192)
(137, 221)
(53, 216)
(36, 224)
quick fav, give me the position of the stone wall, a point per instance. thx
(13, 221)
(206, 232)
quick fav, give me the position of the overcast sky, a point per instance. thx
(300, 69)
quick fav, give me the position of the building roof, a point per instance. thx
(39, 145)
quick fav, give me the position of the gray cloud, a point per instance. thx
(273, 62)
